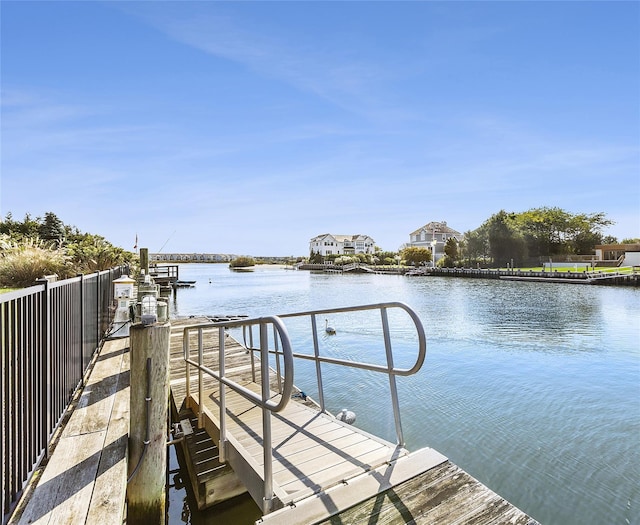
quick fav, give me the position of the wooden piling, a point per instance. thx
(146, 491)
(144, 260)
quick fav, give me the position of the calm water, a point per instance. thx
(532, 388)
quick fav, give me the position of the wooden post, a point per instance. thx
(146, 491)
(144, 260)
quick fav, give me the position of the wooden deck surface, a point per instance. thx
(85, 478)
(312, 451)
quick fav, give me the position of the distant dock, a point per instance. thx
(629, 277)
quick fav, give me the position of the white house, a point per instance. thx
(329, 244)
(434, 237)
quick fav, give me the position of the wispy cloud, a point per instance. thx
(324, 69)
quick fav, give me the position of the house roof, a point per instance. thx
(439, 227)
(619, 247)
(340, 238)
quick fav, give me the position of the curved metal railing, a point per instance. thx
(263, 400)
(388, 369)
(285, 371)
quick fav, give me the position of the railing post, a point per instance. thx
(200, 379)
(251, 355)
(276, 349)
(146, 490)
(392, 378)
(222, 456)
(316, 353)
(186, 355)
(266, 418)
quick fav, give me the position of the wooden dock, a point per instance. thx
(324, 470)
(85, 479)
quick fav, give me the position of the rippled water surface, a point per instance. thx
(532, 388)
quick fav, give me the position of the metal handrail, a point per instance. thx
(389, 369)
(263, 401)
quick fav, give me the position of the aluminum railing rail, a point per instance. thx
(389, 368)
(263, 401)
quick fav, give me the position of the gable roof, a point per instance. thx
(340, 238)
(438, 227)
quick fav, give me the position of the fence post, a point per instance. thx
(146, 491)
(81, 301)
(46, 351)
(97, 312)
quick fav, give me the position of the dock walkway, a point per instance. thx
(85, 479)
(324, 470)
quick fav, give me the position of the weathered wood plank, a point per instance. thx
(444, 494)
(110, 489)
(340, 497)
(86, 473)
(64, 491)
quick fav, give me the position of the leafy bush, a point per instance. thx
(242, 262)
(92, 253)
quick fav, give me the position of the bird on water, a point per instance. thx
(329, 329)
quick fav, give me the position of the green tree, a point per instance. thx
(450, 258)
(451, 248)
(19, 231)
(505, 242)
(475, 245)
(554, 231)
(51, 229)
(416, 256)
(315, 257)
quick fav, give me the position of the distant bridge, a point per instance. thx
(191, 257)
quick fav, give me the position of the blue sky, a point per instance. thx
(250, 127)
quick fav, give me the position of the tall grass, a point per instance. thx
(21, 264)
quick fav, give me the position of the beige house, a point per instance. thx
(622, 254)
(330, 244)
(434, 236)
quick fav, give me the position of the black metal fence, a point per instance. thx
(48, 336)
